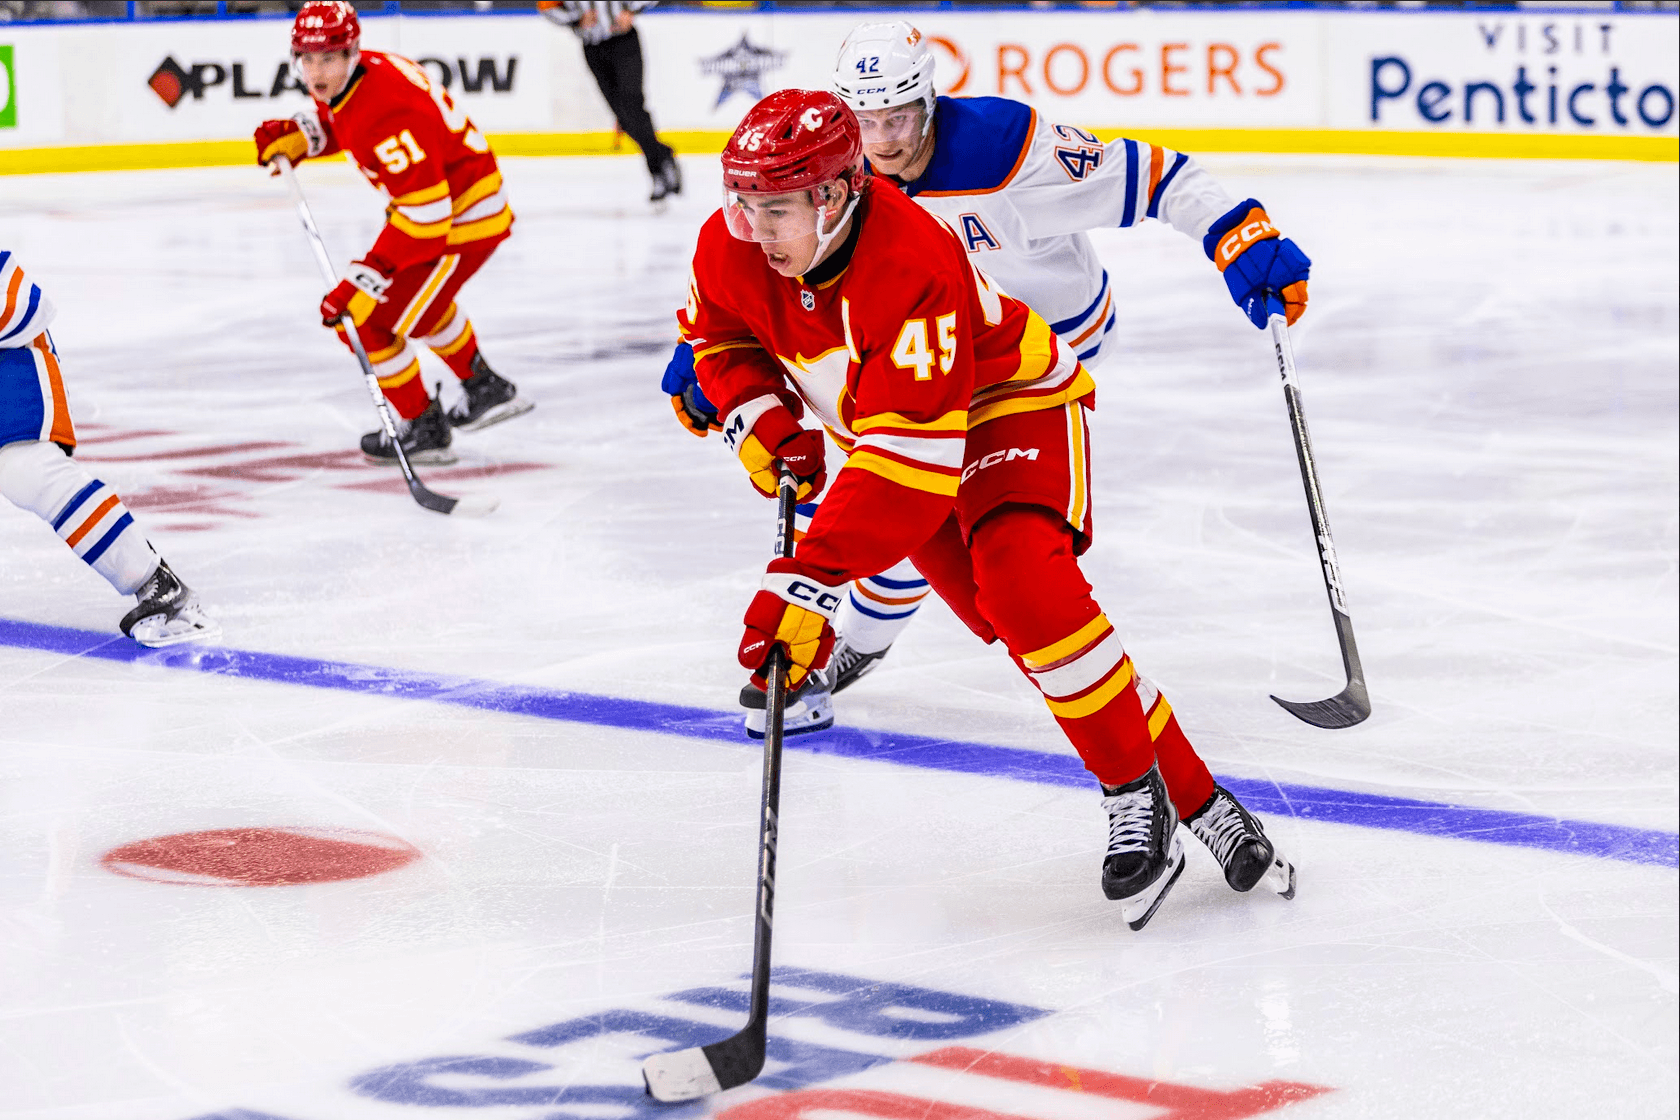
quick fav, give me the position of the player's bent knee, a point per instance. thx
(38, 476)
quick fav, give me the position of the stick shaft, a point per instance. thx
(1328, 563)
(776, 704)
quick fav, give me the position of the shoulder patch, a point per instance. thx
(979, 145)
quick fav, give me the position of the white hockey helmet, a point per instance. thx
(882, 65)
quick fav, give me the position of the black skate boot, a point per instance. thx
(847, 664)
(168, 612)
(667, 180)
(1145, 854)
(807, 709)
(489, 399)
(425, 439)
(1238, 841)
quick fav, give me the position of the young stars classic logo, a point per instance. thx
(740, 68)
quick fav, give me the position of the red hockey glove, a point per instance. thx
(362, 288)
(794, 609)
(296, 139)
(764, 434)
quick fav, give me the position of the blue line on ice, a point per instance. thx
(1367, 810)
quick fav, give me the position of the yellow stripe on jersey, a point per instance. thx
(423, 195)
(479, 191)
(1095, 700)
(1080, 386)
(481, 229)
(1069, 645)
(1037, 348)
(405, 224)
(722, 346)
(954, 421)
(914, 478)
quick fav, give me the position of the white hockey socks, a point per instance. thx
(878, 609)
(86, 514)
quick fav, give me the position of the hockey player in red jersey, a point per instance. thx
(447, 214)
(962, 416)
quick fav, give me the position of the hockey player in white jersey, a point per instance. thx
(37, 474)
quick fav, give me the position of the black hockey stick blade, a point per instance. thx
(1349, 706)
(460, 507)
(700, 1071)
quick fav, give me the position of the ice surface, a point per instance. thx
(1490, 372)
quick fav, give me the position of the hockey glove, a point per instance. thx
(1258, 262)
(363, 287)
(794, 609)
(296, 139)
(694, 411)
(764, 434)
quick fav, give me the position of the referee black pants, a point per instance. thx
(617, 66)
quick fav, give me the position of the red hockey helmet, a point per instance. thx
(778, 166)
(325, 25)
(792, 139)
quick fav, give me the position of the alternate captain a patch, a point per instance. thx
(975, 235)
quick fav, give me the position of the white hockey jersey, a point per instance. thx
(25, 310)
(1022, 194)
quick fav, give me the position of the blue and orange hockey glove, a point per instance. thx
(794, 609)
(764, 436)
(694, 411)
(1257, 261)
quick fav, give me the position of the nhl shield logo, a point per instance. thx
(807, 300)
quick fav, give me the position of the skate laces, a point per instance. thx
(1129, 818)
(1222, 827)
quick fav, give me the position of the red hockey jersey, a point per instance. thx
(406, 135)
(899, 355)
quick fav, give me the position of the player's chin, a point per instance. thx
(781, 262)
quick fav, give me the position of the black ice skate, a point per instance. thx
(807, 709)
(425, 439)
(1145, 853)
(1238, 841)
(168, 612)
(848, 664)
(667, 181)
(489, 398)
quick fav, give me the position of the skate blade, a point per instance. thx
(438, 458)
(800, 719)
(1141, 907)
(158, 631)
(507, 410)
(1280, 876)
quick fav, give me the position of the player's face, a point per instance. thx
(324, 73)
(783, 225)
(892, 137)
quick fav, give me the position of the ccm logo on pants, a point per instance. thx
(997, 457)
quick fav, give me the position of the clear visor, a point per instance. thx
(884, 126)
(772, 218)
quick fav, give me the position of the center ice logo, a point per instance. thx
(901, 1049)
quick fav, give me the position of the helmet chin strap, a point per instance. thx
(825, 239)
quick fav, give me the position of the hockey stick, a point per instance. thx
(437, 503)
(1351, 705)
(683, 1075)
